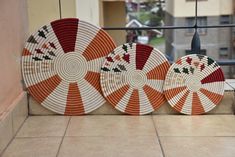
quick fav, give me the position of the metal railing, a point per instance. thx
(195, 45)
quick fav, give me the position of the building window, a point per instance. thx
(195, 0)
(224, 19)
(202, 51)
(223, 53)
(190, 21)
(201, 21)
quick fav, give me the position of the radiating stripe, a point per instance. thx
(206, 102)
(91, 98)
(133, 106)
(142, 54)
(197, 107)
(74, 101)
(116, 96)
(156, 84)
(175, 99)
(42, 89)
(145, 104)
(121, 105)
(216, 87)
(100, 46)
(159, 72)
(34, 78)
(155, 59)
(26, 52)
(57, 99)
(66, 32)
(94, 79)
(216, 76)
(181, 102)
(95, 65)
(108, 84)
(170, 93)
(156, 98)
(178, 62)
(85, 34)
(215, 98)
(187, 108)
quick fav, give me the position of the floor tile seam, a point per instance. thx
(31, 137)
(158, 138)
(114, 136)
(198, 136)
(62, 140)
(14, 135)
(231, 85)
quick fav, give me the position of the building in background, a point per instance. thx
(219, 43)
(215, 42)
(103, 13)
(146, 13)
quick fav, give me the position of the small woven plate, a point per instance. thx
(194, 84)
(61, 65)
(132, 78)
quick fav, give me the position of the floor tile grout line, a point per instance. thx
(57, 154)
(91, 136)
(158, 137)
(29, 137)
(230, 86)
(111, 136)
(14, 136)
(199, 136)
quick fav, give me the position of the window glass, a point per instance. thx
(224, 19)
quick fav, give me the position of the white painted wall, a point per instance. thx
(88, 10)
(184, 8)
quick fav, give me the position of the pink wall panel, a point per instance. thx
(13, 33)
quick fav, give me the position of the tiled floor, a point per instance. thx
(229, 84)
(125, 136)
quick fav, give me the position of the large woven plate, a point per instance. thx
(61, 65)
(194, 84)
(132, 78)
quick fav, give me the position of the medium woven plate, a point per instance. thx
(132, 78)
(194, 84)
(61, 65)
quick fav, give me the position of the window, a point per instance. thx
(195, 0)
(223, 53)
(190, 21)
(224, 19)
(201, 21)
(202, 51)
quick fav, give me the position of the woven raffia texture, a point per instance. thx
(132, 78)
(61, 65)
(194, 84)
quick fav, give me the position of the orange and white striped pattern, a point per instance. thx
(61, 65)
(194, 84)
(132, 78)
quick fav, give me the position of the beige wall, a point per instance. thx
(109, 13)
(226, 7)
(13, 30)
(42, 12)
(68, 8)
(184, 8)
(88, 10)
(114, 15)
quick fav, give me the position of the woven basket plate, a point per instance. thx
(61, 65)
(194, 84)
(132, 78)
